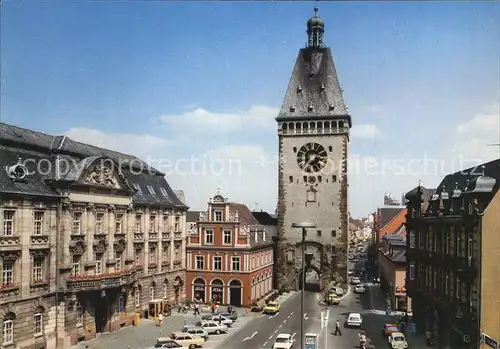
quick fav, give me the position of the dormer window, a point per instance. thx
(292, 108)
(299, 89)
(322, 88)
(310, 107)
(163, 192)
(218, 216)
(151, 190)
(137, 187)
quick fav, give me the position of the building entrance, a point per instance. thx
(102, 301)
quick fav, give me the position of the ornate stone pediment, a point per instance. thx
(77, 247)
(100, 246)
(101, 174)
(10, 255)
(120, 245)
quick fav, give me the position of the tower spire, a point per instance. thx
(315, 30)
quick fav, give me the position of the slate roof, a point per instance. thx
(42, 150)
(314, 83)
(192, 216)
(265, 218)
(180, 195)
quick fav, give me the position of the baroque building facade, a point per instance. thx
(453, 253)
(229, 255)
(313, 133)
(89, 237)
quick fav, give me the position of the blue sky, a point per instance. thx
(158, 79)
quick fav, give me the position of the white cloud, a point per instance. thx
(141, 145)
(365, 131)
(375, 108)
(202, 120)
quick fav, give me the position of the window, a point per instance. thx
(79, 315)
(412, 239)
(412, 270)
(235, 263)
(290, 178)
(137, 187)
(165, 290)
(470, 247)
(163, 192)
(217, 263)
(218, 216)
(458, 245)
(166, 253)
(77, 223)
(151, 190)
(137, 257)
(152, 254)
(457, 287)
(227, 237)
(318, 232)
(138, 225)
(311, 195)
(7, 273)
(209, 237)
(121, 304)
(75, 266)
(118, 260)
(434, 279)
(37, 269)
(176, 224)
(118, 223)
(447, 283)
(38, 323)
(165, 222)
(99, 220)
(98, 264)
(334, 178)
(334, 233)
(8, 332)
(200, 262)
(152, 223)
(38, 223)
(8, 223)
(137, 297)
(151, 293)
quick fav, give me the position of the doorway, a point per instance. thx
(235, 293)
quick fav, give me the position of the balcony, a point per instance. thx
(178, 235)
(101, 281)
(166, 235)
(138, 237)
(9, 289)
(177, 264)
(10, 243)
(153, 237)
(40, 241)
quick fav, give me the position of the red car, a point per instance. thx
(388, 329)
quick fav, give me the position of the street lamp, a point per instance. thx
(304, 226)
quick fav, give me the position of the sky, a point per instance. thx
(194, 88)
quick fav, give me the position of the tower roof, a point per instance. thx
(314, 90)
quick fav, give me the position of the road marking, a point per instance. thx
(248, 338)
(265, 343)
(280, 325)
(305, 316)
(273, 316)
(271, 337)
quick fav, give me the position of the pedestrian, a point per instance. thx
(196, 310)
(213, 307)
(337, 329)
(160, 319)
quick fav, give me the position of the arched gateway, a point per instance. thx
(313, 132)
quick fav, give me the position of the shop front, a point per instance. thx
(199, 291)
(217, 287)
(402, 302)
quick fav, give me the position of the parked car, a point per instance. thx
(188, 340)
(397, 340)
(272, 308)
(233, 316)
(213, 327)
(221, 319)
(359, 289)
(355, 281)
(284, 341)
(167, 343)
(333, 299)
(388, 329)
(196, 330)
(354, 320)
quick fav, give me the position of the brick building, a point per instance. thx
(229, 255)
(453, 252)
(86, 233)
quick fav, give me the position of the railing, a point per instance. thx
(108, 280)
(314, 131)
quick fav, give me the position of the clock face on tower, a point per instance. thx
(312, 157)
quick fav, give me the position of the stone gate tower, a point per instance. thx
(313, 130)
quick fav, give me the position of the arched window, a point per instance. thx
(253, 281)
(8, 328)
(121, 304)
(79, 314)
(38, 321)
(151, 292)
(165, 289)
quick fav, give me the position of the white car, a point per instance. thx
(359, 289)
(355, 281)
(222, 319)
(284, 341)
(213, 327)
(397, 340)
(354, 320)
